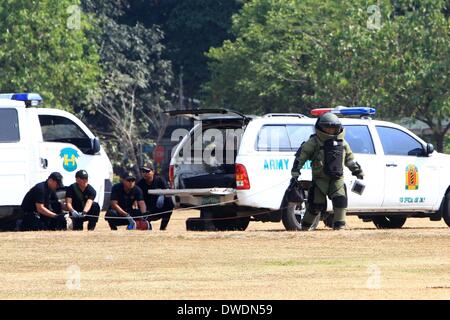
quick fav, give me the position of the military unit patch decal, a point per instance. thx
(412, 178)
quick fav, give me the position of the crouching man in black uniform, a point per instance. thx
(80, 202)
(155, 203)
(42, 210)
(125, 198)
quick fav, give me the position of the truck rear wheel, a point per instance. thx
(197, 224)
(223, 219)
(389, 222)
(232, 224)
(293, 214)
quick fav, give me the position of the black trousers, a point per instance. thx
(93, 214)
(33, 221)
(112, 215)
(165, 217)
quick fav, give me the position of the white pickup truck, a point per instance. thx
(237, 168)
(37, 141)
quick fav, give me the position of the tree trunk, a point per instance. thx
(439, 138)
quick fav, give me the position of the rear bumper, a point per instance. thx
(198, 197)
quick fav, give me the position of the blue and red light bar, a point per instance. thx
(345, 111)
(30, 99)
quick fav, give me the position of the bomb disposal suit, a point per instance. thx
(328, 152)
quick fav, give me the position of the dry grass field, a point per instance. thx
(263, 262)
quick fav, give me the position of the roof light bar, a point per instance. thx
(30, 99)
(345, 111)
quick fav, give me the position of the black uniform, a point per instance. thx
(125, 201)
(33, 220)
(150, 200)
(79, 199)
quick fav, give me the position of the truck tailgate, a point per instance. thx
(197, 197)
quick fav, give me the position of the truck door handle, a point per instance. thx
(391, 164)
(44, 163)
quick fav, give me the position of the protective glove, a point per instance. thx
(160, 202)
(359, 174)
(295, 174)
(76, 214)
(131, 223)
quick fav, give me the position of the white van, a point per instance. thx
(404, 176)
(37, 141)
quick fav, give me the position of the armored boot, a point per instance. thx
(310, 220)
(339, 218)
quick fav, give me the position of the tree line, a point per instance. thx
(118, 64)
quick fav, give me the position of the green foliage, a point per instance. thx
(135, 88)
(191, 27)
(294, 55)
(44, 49)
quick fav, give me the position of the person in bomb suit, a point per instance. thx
(328, 152)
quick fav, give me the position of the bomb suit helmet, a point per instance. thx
(329, 123)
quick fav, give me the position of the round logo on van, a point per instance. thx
(69, 156)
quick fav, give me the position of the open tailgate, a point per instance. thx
(197, 197)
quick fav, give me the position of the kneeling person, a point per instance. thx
(42, 210)
(160, 207)
(126, 197)
(80, 202)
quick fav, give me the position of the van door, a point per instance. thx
(14, 158)
(269, 165)
(360, 140)
(67, 148)
(412, 179)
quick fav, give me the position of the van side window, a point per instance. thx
(359, 139)
(9, 124)
(61, 129)
(298, 135)
(273, 138)
(283, 137)
(398, 143)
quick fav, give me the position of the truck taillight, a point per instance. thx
(171, 176)
(242, 181)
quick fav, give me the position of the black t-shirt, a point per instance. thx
(73, 192)
(126, 200)
(157, 183)
(40, 193)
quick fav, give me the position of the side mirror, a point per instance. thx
(95, 145)
(430, 149)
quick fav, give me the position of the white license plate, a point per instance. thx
(210, 200)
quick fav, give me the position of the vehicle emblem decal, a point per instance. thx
(412, 177)
(69, 156)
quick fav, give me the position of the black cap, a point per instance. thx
(128, 175)
(147, 167)
(82, 174)
(57, 177)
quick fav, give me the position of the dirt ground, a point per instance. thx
(264, 262)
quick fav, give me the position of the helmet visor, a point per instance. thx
(331, 129)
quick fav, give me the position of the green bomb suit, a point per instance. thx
(322, 184)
